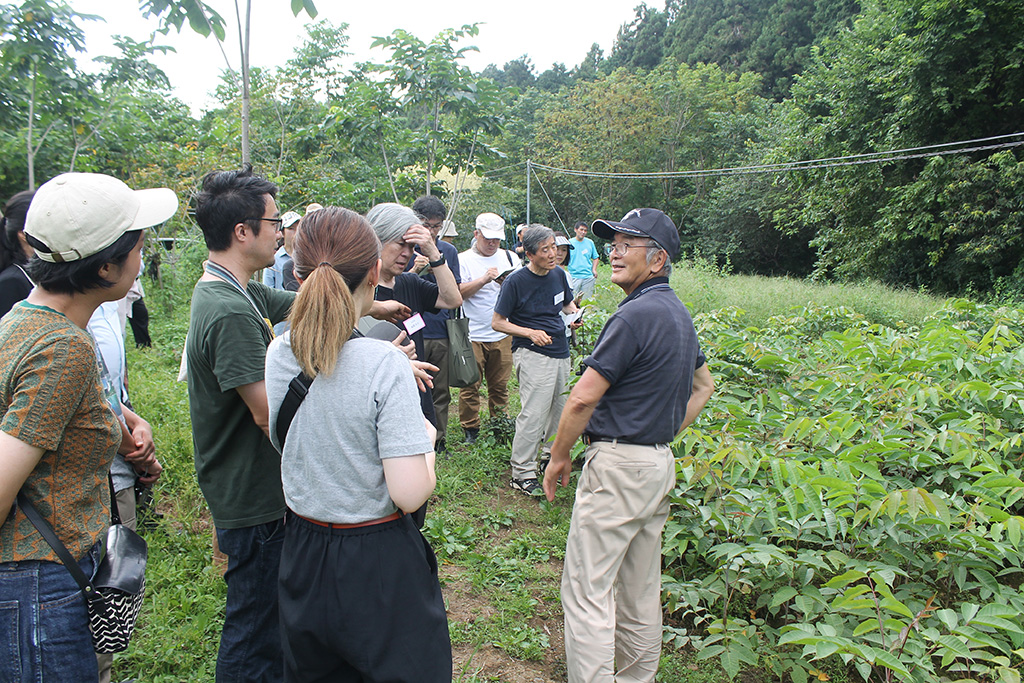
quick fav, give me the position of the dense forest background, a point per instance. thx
(691, 88)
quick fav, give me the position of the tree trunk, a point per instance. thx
(243, 43)
(31, 157)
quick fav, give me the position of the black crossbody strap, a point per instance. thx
(46, 531)
(297, 390)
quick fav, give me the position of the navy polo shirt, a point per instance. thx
(647, 351)
(436, 327)
(535, 301)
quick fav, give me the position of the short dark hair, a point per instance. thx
(11, 224)
(78, 276)
(429, 206)
(227, 199)
(579, 223)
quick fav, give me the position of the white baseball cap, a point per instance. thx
(448, 230)
(491, 226)
(289, 219)
(79, 214)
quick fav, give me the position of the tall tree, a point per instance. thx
(37, 39)
(204, 20)
(442, 100)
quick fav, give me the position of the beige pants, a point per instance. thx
(611, 584)
(126, 508)
(542, 393)
(494, 360)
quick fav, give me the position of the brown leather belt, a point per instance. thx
(331, 525)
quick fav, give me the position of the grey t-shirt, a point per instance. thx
(367, 410)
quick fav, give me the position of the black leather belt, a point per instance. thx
(591, 438)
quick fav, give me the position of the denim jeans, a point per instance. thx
(250, 644)
(44, 624)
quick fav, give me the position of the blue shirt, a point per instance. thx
(648, 351)
(534, 301)
(581, 258)
(273, 276)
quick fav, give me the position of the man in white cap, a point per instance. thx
(483, 266)
(644, 383)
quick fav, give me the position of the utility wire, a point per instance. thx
(831, 162)
(564, 229)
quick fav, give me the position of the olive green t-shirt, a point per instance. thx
(238, 469)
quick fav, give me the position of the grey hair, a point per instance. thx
(534, 235)
(652, 250)
(390, 221)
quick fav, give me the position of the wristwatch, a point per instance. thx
(438, 263)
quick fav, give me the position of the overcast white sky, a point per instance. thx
(547, 30)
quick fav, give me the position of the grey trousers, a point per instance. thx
(542, 393)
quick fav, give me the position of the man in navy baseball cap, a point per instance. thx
(645, 381)
(644, 223)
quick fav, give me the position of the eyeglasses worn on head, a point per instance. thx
(621, 248)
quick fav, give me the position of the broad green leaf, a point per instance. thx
(782, 595)
(846, 578)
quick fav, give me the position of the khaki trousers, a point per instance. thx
(126, 508)
(436, 351)
(542, 393)
(611, 583)
(494, 361)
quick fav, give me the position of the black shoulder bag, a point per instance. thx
(114, 594)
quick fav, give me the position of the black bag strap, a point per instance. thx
(297, 390)
(46, 531)
(509, 257)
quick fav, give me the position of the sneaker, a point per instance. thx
(471, 434)
(542, 463)
(528, 486)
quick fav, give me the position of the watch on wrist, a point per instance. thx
(438, 263)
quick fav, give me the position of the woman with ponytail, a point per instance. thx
(359, 595)
(14, 252)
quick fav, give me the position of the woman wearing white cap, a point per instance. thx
(58, 435)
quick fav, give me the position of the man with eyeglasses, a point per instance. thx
(528, 309)
(432, 215)
(238, 469)
(645, 381)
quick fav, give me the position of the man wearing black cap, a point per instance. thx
(645, 381)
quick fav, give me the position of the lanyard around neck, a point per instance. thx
(223, 273)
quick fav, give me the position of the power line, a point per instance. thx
(830, 162)
(546, 196)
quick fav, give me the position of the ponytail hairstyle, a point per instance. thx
(334, 251)
(12, 223)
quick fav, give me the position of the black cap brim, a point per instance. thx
(607, 229)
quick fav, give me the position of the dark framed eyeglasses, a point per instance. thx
(276, 221)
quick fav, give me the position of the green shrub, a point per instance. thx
(854, 496)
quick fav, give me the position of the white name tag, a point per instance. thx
(414, 324)
(559, 298)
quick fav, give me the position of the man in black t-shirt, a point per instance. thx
(644, 383)
(401, 297)
(432, 214)
(528, 308)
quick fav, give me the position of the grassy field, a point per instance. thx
(500, 553)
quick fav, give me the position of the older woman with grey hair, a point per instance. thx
(401, 297)
(528, 309)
